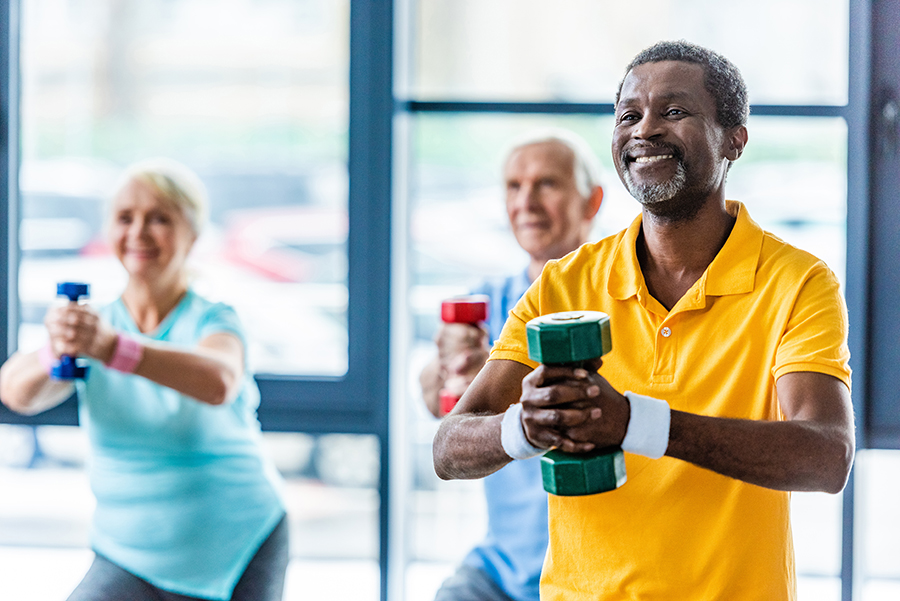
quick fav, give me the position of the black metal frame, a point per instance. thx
(9, 169)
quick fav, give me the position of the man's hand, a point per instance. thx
(462, 351)
(572, 409)
(462, 348)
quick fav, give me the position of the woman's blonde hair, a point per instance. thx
(175, 183)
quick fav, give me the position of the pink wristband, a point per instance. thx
(47, 358)
(127, 355)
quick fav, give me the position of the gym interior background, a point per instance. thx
(352, 151)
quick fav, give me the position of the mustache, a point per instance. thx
(672, 149)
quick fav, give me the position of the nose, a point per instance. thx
(525, 197)
(137, 228)
(649, 127)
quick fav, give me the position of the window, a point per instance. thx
(271, 102)
(483, 72)
(254, 97)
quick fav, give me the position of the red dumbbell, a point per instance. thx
(471, 310)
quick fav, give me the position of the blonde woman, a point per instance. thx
(187, 507)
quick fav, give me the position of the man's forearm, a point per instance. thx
(468, 446)
(790, 455)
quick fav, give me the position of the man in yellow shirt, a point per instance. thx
(728, 380)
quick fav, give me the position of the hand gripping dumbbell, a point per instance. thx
(471, 310)
(70, 368)
(575, 339)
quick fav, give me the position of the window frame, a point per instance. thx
(355, 403)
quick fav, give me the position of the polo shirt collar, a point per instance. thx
(733, 271)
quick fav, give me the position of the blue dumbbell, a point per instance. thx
(69, 368)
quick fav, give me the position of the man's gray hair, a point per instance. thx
(586, 166)
(723, 80)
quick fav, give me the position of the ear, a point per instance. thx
(735, 141)
(593, 204)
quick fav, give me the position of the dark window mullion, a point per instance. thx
(600, 108)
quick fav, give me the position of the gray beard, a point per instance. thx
(652, 194)
(672, 201)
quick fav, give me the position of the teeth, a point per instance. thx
(658, 157)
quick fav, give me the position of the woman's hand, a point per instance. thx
(78, 330)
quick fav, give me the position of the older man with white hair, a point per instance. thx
(552, 195)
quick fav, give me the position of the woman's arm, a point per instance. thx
(26, 387)
(211, 372)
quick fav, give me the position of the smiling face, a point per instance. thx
(668, 147)
(149, 235)
(549, 217)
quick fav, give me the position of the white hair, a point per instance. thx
(175, 183)
(586, 166)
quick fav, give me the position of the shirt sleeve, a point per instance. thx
(220, 319)
(815, 338)
(513, 343)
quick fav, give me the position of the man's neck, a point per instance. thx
(536, 264)
(535, 267)
(673, 255)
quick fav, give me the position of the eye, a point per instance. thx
(160, 218)
(674, 113)
(123, 218)
(547, 183)
(628, 117)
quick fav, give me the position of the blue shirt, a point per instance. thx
(184, 495)
(513, 552)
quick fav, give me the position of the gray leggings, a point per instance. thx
(263, 580)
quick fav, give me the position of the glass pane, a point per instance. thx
(576, 50)
(253, 96)
(792, 178)
(879, 524)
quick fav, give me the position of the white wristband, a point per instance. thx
(512, 435)
(648, 426)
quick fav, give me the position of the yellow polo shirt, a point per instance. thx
(676, 531)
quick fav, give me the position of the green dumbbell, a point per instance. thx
(575, 339)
